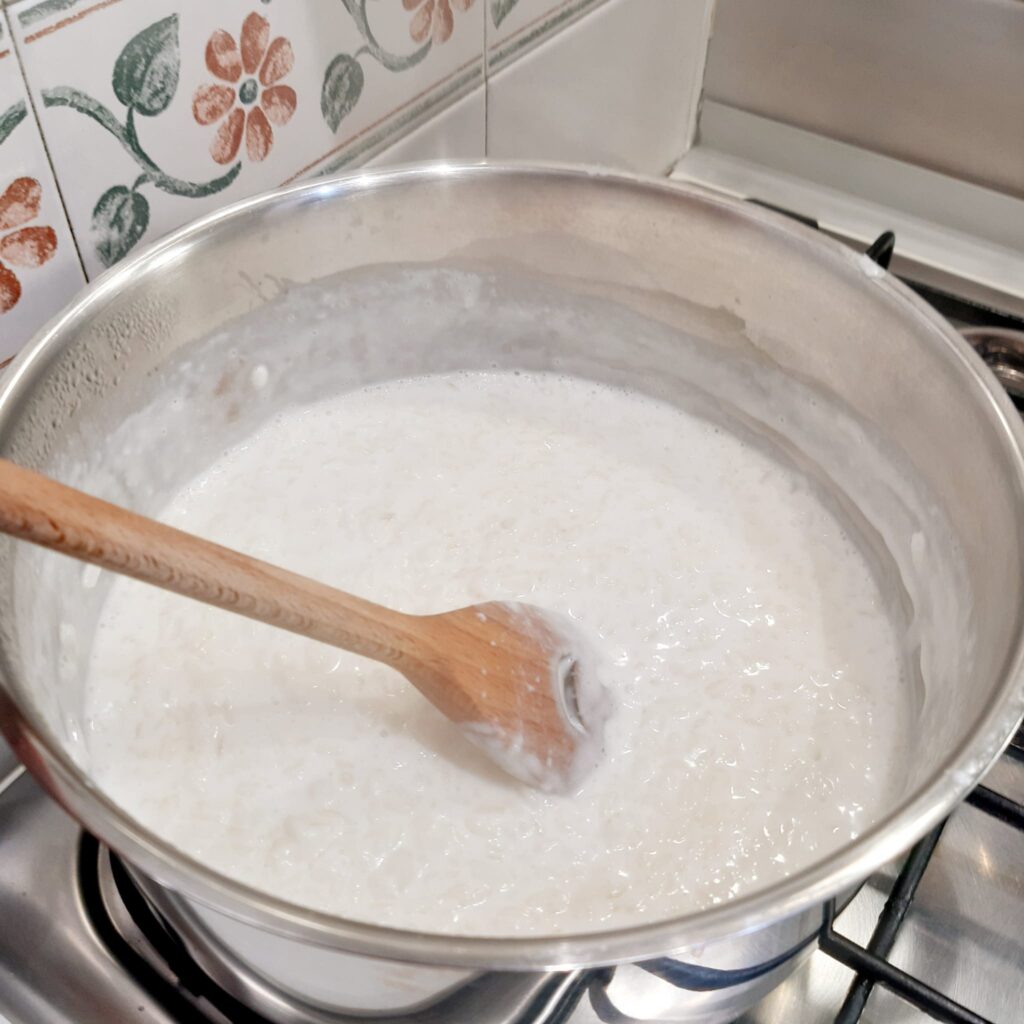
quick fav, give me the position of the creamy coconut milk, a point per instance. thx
(758, 682)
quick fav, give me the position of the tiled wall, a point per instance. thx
(122, 119)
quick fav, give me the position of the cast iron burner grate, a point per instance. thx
(870, 963)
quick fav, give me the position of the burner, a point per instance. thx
(1002, 348)
(151, 949)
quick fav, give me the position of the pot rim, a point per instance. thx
(36, 745)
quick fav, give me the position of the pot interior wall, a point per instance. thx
(696, 302)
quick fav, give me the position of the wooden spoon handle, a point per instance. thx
(38, 509)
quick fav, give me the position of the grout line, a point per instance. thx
(487, 87)
(380, 120)
(395, 131)
(545, 28)
(46, 147)
(697, 85)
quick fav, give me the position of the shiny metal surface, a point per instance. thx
(52, 967)
(933, 82)
(1003, 351)
(963, 935)
(776, 293)
(488, 997)
(56, 966)
(290, 986)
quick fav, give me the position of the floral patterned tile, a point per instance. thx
(39, 268)
(449, 35)
(156, 111)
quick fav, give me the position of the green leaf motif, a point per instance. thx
(500, 10)
(146, 71)
(386, 59)
(343, 85)
(82, 103)
(11, 118)
(119, 220)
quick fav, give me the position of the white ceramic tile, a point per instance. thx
(339, 79)
(39, 268)
(516, 26)
(619, 87)
(457, 133)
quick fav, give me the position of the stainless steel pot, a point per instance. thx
(643, 283)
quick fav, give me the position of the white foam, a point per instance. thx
(760, 704)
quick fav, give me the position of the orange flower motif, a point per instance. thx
(263, 64)
(434, 18)
(25, 247)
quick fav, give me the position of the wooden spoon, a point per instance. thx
(518, 680)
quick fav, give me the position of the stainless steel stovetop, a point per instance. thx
(78, 943)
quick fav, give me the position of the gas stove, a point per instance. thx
(937, 936)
